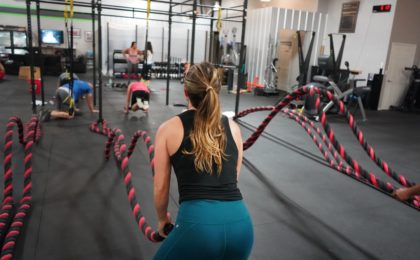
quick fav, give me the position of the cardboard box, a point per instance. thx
(25, 72)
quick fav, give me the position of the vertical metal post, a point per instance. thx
(169, 51)
(71, 59)
(163, 43)
(31, 53)
(100, 119)
(241, 67)
(12, 42)
(107, 47)
(205, 45)
(41, 57)
(211, 35)
(94, 52)
(145, 49)
(193, 31)
(188, 44)
(135, 36)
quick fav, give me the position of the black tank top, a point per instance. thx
(194, 185)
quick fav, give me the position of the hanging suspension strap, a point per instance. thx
(219, 17)
(147, 38)
(147, 26)
(68, 14)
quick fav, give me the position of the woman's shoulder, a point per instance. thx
(171, 125)
(234, 128)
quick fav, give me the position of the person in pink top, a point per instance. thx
(138, 96)
(132, 55)
(2, 72)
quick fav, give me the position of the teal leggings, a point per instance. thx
(209, 229)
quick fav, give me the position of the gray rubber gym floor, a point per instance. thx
(301, 209)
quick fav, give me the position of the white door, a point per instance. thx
(396, 79)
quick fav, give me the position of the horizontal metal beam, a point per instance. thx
(129, 9)
(207, 18)
(236, 6)
(104, 7)
(119, 16)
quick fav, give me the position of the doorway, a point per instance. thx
(396, 79)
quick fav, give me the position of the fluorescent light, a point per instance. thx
(265, 0)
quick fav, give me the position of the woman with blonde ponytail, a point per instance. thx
(205, 150)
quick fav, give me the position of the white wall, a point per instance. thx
(367, 48)
(306, 5)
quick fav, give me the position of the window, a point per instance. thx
(5, 39)
(19, 39)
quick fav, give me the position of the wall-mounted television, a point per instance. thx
(52, 36)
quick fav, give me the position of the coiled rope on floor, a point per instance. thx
(9, 232)
(122, 155)
(358, 170)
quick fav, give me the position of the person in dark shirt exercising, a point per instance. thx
(205, 150)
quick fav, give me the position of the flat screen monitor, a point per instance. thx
(52, 36)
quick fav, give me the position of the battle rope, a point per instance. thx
(370, 176)
(367, 178)
(122, 154)
(388, 188)
(27, 137)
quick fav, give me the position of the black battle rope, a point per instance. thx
(365, 174)
(343, 110)
(302, 120)
(27, 137)
(116, 137)
(367, 179)
(342, 166)
(312, 130)
(284, 143)
(322, 142)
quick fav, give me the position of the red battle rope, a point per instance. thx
(122, 154)
(358, 170)
(27, 137)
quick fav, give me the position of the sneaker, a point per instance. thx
(146, 105)
(140, 103)
(44, 115)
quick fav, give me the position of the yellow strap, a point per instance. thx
(148, 14)
(219, 16)
(68, 9)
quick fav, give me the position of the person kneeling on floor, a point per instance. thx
(138, 96)
(66, 104)
(80, 88)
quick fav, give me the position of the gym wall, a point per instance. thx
(366, 49)
(306, 5)
(405, 28)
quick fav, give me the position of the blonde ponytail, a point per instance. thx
(208, 137)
